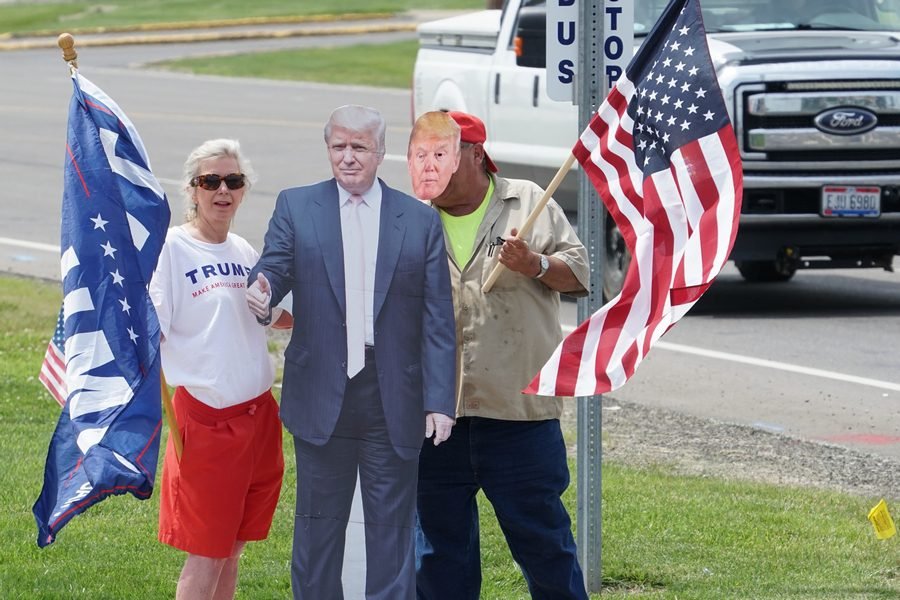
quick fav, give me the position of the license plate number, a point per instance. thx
(851, 201)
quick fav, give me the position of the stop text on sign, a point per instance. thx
(616, 45)
(618, 38)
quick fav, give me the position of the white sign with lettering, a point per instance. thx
(562, 48)
(618, 39)
(562, 44)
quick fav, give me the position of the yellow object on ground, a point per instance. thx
(882, 521)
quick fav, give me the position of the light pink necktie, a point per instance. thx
(355, 282)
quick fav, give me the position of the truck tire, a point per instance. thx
(763, 271)
(617, 259)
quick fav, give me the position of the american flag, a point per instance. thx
(53, 369)
(662, 154)
(114, 221)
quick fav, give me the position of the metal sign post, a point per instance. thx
(605, 36)
(591, 221)
(602, 33)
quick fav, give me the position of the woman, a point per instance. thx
(223, 491)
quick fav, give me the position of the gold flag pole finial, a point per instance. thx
(67, 43)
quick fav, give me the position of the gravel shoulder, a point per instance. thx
(642, 436)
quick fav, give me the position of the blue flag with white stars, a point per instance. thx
(114, 220)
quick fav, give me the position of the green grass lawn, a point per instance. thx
(381, 65)
(664, 537)
(74, 16)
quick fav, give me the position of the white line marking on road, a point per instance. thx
(29, 245)
(771, 364)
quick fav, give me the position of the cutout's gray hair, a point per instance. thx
(357, 118)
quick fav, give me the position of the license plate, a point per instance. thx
(851, 201)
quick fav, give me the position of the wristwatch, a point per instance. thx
(545, 266)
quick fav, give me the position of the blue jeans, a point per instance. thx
(521, 467)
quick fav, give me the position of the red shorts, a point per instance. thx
(226, 486)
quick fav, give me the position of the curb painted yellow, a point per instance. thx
(186, 38)
(285, 20)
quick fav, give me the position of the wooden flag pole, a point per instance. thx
(67, 44)
(529, 222)
(169, 410)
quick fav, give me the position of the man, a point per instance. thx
(507, 444)
(433, 153)
(370, 365)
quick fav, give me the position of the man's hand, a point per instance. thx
(259, 294)
(439, 425)
(516, 256)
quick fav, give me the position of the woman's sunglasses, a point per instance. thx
(234, 181)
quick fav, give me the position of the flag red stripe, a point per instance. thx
(609, 337)
(54, 391)
(91, 498)
(53, 374)
(100, 107)
(570, 361)
(733, 156)
(707, 193)
(571, 355)
(87, 192)
(658, 272)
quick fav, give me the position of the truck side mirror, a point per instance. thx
(530, 42)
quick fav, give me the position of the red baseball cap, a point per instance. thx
(471, 131)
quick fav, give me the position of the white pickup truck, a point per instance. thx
(812, 86)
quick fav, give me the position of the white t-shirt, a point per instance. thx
(212, 344)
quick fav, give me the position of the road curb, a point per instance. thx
(209, 24)
(186, 38)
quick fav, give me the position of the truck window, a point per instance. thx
(761, 15)
(863, 15)
(528, 7)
